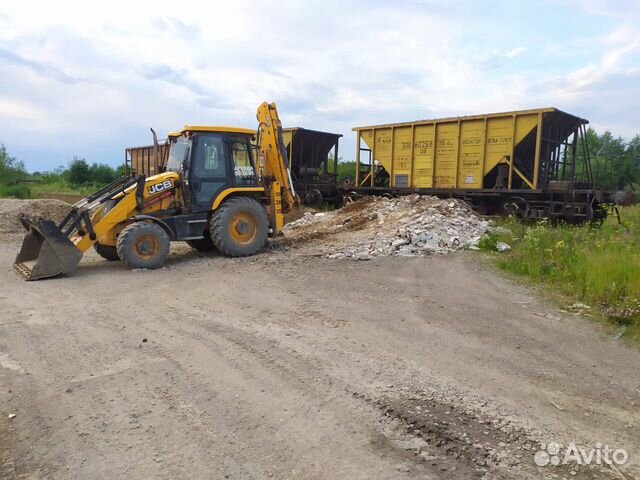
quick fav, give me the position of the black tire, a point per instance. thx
(313, 198)
(202, 244)
(517, 206)
(143, 245)
(240, 227)
(107, 252)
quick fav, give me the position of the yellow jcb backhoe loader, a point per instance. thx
(216, 192)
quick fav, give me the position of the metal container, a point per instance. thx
(142, 160)
(521, 150)
(313, 159)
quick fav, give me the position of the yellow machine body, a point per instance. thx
(215, 193)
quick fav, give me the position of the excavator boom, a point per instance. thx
(275, 167)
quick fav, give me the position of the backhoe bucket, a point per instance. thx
(46, 252)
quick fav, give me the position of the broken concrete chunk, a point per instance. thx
(503, 247)
(378, 226)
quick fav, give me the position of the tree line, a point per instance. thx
(78, 176)
(615, 162)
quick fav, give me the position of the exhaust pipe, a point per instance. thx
(46, 251)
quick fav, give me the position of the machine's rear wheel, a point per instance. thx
(107, 252)
(143, 245)
(202, 244)
(239, 227)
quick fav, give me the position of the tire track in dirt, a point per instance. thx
(268, 354)
(315, 392)
(445, 452)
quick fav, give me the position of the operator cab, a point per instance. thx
(211, 159)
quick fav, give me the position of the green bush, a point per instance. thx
(12, 171)
(79, 172)
(488, 243)
(15, 191)
(101, 173)
(346, 170)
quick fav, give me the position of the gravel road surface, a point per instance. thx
(293, 366)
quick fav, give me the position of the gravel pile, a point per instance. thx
(11, 210)
(374, 226)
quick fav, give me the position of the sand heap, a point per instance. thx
(11, 210)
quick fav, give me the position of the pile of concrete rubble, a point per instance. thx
(375, 226)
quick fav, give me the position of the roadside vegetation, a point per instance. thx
(78, 177)
(594, 270)
(346, 171)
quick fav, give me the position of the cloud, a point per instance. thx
(83, 79)
(606, 8)
(9, 57)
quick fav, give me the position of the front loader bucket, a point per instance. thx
(46, 252)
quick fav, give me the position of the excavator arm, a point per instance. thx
(100, 219)
(276, 175)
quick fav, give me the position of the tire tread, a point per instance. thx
(125, 245)
(219, 225)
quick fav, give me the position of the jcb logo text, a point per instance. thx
(159, 187)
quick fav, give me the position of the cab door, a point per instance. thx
(210, 172)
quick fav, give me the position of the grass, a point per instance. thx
(597, 266)
(62, 186)
(36, 189)
(15, 191)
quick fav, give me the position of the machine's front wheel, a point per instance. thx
(107, 252)
(143, 245)
(239, 227)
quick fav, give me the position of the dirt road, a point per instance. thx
(281, 366)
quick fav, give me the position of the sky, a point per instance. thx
(88, 79)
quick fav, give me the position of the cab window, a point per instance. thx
(210, 158)
(177, 154)
(244, 169)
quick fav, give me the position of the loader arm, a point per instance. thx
(49, 249)
(275, 168)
